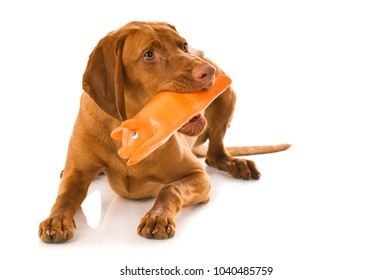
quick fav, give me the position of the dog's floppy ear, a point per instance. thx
(103, 79)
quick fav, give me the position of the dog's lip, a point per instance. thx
(194, 126)
(174, 87)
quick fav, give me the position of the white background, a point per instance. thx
(316, 74)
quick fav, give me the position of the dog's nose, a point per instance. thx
(203, 73)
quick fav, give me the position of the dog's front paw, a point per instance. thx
(157, 226)
(56, 229)
(236, 167)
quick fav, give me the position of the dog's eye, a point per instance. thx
(149, 56)
(186, 48)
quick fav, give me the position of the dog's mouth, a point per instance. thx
(194, 126)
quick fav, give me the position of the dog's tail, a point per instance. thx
(201, 151)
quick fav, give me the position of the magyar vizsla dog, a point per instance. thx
(125, 70)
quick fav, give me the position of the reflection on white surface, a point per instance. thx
(91, 208)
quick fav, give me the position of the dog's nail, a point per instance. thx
(47, 232)
(40, 232)
(148, 229)
(168, 228)
(155, 231)
(53, 232)
(65, 233)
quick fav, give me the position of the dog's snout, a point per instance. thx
(203, 73)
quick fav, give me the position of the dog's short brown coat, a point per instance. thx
(125, 70)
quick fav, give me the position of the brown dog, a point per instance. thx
(125, 70)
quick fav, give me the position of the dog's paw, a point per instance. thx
(56, 229)
(157, 226)
(236, 167)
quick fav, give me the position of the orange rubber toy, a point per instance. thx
(163, 115)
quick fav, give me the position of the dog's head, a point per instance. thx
(132, 64)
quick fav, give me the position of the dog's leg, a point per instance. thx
(219, 116)
(60, 225)
(159, 222)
